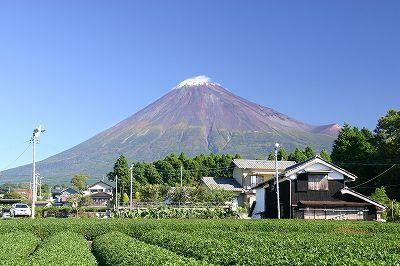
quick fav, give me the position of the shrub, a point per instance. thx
(64, 249)
(119, 249)
(16, 247)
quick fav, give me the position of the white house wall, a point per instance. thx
(334, 175)
(260, 203)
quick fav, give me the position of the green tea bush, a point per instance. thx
(119, 249)
(64, 249)
(181, 213)
(16, 247)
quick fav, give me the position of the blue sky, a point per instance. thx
(79, 67)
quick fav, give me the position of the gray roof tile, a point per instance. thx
(222, 183)
(262, 164)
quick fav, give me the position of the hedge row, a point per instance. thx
(119, 249)
(16, 247)
(64, 249)
(274, 248)
(91, 228)
(181, 213)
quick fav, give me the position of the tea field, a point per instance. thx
(197, 242)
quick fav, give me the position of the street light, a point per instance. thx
(277, 180)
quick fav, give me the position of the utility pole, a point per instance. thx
(116, 193)
(131, 192)
(277, 180)
(39, 183)
(35, 137)
(181, 174)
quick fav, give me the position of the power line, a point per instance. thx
(27, 147)
(375, 176)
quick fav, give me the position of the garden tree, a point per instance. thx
(85, 201)
(353, 144)
(12, 195)
(179, 194)
(121, 169)
(152, 175)
(271, 156)
(387, 135)
(325, 155)
(74, 200)
(297, 155)
(125, 199)
(380, 196)
(393, 208)
(282, 155)
(309, 152)
(78, 181)
(153, 192)
(137, 196)
(220, 196)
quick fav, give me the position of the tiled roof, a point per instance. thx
(261, 164)
(222, 183)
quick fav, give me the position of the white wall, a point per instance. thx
(334, 175)
(260, 203)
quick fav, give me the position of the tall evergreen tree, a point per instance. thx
(297, 155)
(121, 169)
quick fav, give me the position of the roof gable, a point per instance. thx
(101, 183)
(353, 193)
(317, 159)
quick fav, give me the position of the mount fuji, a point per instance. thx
(197, 116)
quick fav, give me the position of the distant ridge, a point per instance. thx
(196, 116)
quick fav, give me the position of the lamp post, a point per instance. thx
(277, 181)
(131, 192)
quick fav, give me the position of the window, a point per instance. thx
(253, 180)
(317, 182)
(302, 183)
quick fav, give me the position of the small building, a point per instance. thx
(314, 189)
(25, 193)
(101, 193)
(60, 195)
(99, 186)
(66, 193)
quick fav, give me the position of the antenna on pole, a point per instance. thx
(35, 137)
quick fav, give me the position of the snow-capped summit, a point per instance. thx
(194, 81)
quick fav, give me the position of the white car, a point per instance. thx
(19, 209)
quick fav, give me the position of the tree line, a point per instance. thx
(374, 156)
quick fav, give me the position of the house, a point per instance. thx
(101, 193)
(65, 194)
(99, 186)
(246, 175)
(25, 193)
(314, 189)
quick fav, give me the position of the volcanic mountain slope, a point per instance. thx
(197, 116)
